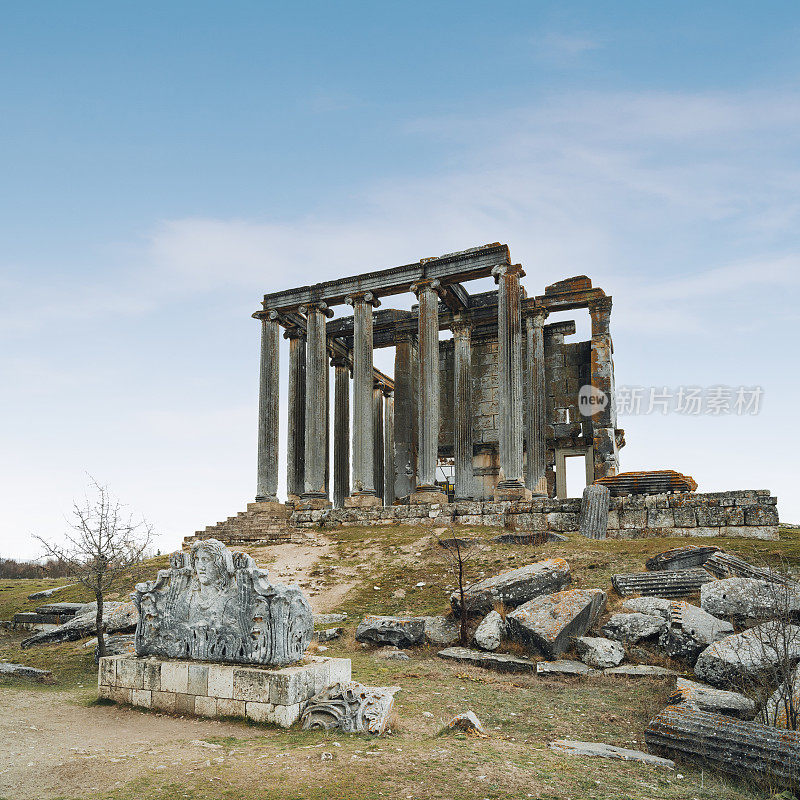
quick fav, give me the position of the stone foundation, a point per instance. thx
(260, 694)
(748, 513)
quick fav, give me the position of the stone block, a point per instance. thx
(761, 515)
(142, 698)
(130, 673)
(685, 517)
(164, 701)
(151, 675)
(220, 681)
(703, 531)
(230, 708)
(184, 703)
(632, 518)
(613, 520)
(660, 518)
(120, 694)
(175, 677)
(205, 706)
(562, 521)
(768, 532)
(107, 671)
(198, 679)
(260, 712)
(252, 684)
(710, 516)
(292, 686)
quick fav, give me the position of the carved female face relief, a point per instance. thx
(205, 566)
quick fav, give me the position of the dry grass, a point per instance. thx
(523, 713)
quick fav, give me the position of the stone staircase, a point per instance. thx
(260, 524)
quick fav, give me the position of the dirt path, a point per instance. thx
(52, 744)
(295, 563)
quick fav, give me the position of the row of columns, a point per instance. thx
(383, 467)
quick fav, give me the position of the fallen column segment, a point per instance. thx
(666, 583)
(725, 565)
(747, 749)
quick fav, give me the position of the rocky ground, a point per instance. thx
(55, 743)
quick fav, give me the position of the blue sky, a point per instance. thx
(166, 164)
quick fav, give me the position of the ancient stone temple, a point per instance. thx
(487, 402)
(499, 400)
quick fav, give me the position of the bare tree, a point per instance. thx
(457, 554)
(104, 542)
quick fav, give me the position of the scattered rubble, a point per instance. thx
(399, 631)
(633, 627)
(515, 587)
(563, 666)
(29, 673)
(690, 631)
(601, 750)
(499, 662)
(655, 606)
(327, 635)
(551, 622)
(598, 652)
(782, 708)
(489, 632)
(350, 707)
(749, 599)
(440, 631)
(707, 698)
(693, 555)
(759, 751)
(664, 583)
(740, 655)
(468, 723)
(49, 592)
(640, 671)
(117, 618)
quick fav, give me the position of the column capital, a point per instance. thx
(366, 297)
(419, 286)
(295, 332)
(265, 314)
(536, 316)
(462, 324)
(322, 307)
(340, 360)
(386, 390)
(502, 270)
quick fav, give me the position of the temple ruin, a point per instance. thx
(502, 403)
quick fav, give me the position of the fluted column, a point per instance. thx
(509, 355)
(405, 438)
(295, 443)
(268, 398)
(535, 402)
(462, 430)
(341, 431)
(363, 426)
(428, 401)
(316, 399)
(388, 451)
(377, 439)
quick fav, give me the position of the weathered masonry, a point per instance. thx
(498, 400)
(503, 403)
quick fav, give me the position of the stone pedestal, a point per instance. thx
(313, 504)
(363, 501)
(260, 694)
(513, 492)
(427, 498)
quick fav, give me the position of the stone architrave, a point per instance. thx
(350, 707)
(216, 605)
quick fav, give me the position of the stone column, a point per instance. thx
(341, 430)
(535, 402)
(428, 400)
(377, 440)
(462, 430)
(363, 425)
(268, 400)
(405, 443)
(316, 399)
(509, 356)
(388, 445)
(295, 443)
(604, 420)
